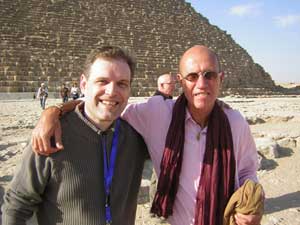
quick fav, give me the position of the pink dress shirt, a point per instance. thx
(152, 119)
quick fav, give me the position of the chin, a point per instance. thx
(109, 117)
(106, 116)
(200, 104)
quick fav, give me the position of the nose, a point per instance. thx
(110, 88)
(201, 82)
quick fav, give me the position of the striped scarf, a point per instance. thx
(216, 184)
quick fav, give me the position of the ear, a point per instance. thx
(83, 83)
(179, 78)
(222, 76)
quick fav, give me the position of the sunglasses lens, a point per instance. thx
(209, 75)
(192, 77)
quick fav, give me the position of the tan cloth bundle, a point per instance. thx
(248, 200)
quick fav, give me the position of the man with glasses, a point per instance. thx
(165, 86)
(202, 153)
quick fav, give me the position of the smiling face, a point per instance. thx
(106, 90)
(200, 92)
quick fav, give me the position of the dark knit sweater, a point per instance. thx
(67, 187)
(157, 92)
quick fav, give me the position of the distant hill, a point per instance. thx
(288, 85)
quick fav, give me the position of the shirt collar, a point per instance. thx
(188, 115)
(80, 111)
(189, 119)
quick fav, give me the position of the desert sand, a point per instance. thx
(274, 122)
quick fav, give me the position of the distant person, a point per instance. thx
(75, 91)
(165, 86)
(42, 94)
(64, 93)
(96, 179)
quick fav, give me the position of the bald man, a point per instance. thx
(165, 86)
(202, 153)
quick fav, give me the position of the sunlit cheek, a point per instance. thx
(98, 91)
(190, 89)
(125, 92)
(215, 90)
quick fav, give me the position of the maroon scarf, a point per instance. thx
(216, 184)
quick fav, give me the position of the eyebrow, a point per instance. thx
(123, 81)
(204, 71)
(108, 78)
(191, 73)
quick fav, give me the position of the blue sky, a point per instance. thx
(269, 30)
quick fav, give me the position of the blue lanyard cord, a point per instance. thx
(109, 169)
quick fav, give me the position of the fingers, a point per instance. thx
(57, 135)
(48, 126)
(36, 143)
(43, 146)
(40, 145)
(47, 143)
(242, 219)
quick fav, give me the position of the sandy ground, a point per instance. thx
(275, 118)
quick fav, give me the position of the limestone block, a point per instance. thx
(260, 161)
(287, 142)
(264, 163)
(278, 136)
(267, 147)
(255, 120)
(298, 143)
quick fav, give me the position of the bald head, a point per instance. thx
(199, 53)
(164, 78)
(166, 84)
(200, 78)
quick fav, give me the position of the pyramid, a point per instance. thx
(48, 40)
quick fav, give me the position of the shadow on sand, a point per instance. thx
(8, 155)
(287, 201)
(1, 194)
(6, 178)
(1, 201)
(285, 152)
